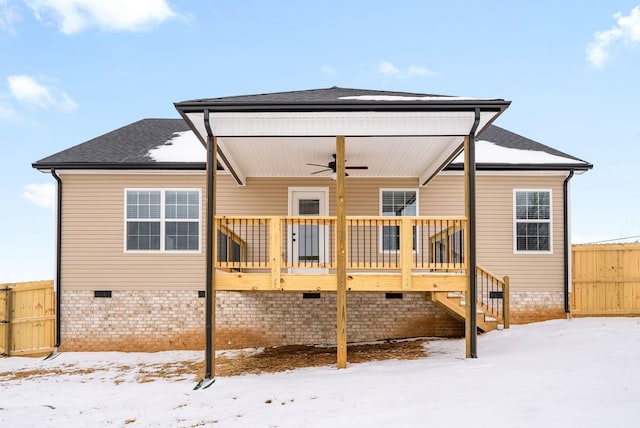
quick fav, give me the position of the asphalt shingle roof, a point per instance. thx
(128, 148)
(124, 147)
(336, 98)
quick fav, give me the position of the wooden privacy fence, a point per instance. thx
(27, 318)
(606, 280)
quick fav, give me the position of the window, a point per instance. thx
(162, 220)
(397, 203)
(532, 221)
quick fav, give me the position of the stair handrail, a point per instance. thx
(491, 289)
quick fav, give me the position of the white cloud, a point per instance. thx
(28, 90)
(73, 16)
(388, 69)
(9, 16)
(43, 195)
(627, 30)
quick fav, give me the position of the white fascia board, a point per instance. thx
(318, 124)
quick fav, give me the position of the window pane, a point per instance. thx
(170, 198)
(143, 236)
(182, 204)
(181, 235)
(143, 204)
(543, 198)
(309, 206)
(154, 198)
(543, 229)
(399, 203)
(522, 244)
(532, 236)
(544, 212)
(543, 244)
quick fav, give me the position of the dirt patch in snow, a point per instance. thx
(283, 358)
(234, 363)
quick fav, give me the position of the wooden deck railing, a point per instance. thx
(375, 243)
(493, 294)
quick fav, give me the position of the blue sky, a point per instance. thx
(71, 70)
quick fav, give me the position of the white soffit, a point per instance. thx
(391, 144)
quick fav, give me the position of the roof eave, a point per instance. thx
(231, 107)
(185, 166)
(522, 167)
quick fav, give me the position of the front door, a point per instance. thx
(308, 242)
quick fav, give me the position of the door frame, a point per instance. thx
(323, 204)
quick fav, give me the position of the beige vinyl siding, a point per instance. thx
(93, 224)
(93, 256)
(494, 211)
(496, 230)
(444, 196)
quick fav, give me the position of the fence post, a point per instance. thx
(505, 301)
(6, 322)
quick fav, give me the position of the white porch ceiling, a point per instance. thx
(391, 144)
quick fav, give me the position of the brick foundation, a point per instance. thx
(170, 320)
(535, 306)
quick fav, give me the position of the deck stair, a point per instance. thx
(492, 308)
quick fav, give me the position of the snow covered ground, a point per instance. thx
(562, 373)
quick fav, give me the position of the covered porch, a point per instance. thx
(355, 134)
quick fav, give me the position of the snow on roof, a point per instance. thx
(488, 152)
(406, 98)
(185, 147)
(182, 147)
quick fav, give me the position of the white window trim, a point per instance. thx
(516, 221)
(162, 220)
(392, 189)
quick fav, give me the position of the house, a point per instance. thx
(338, 213)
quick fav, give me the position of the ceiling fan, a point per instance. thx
(331, 166)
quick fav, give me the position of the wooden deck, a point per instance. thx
(297, 253)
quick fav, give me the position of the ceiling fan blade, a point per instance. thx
(315, 164)
(322, 170)
(357, 167)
